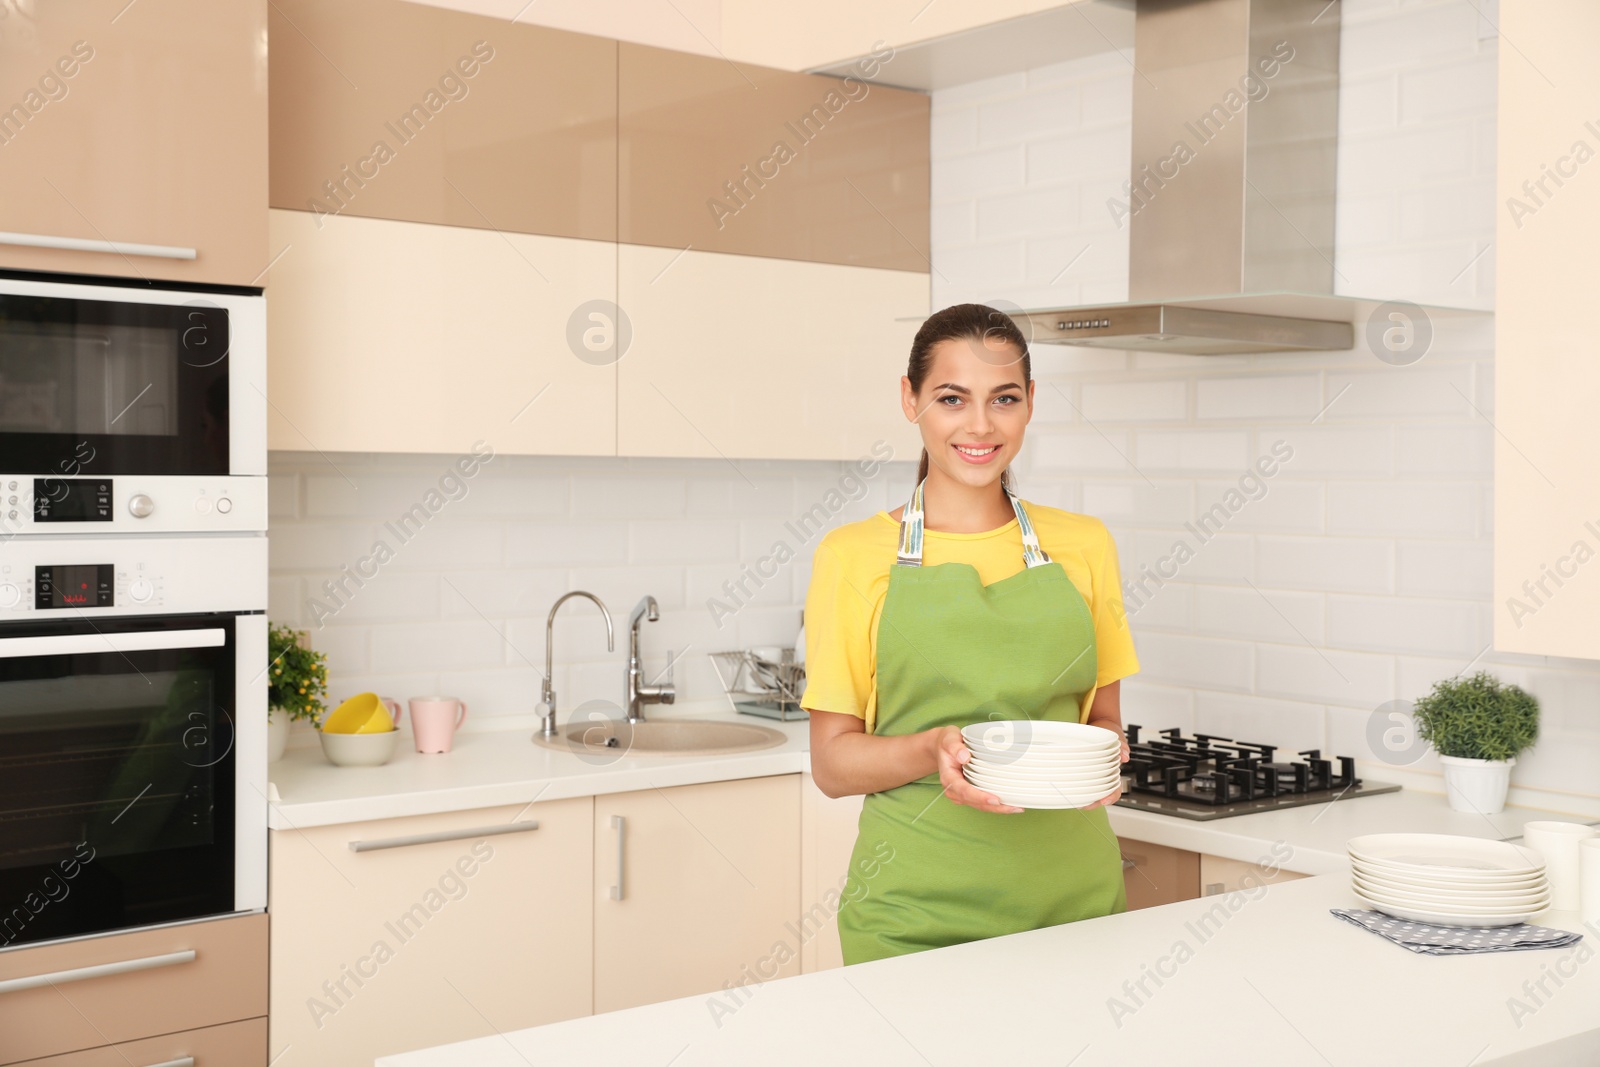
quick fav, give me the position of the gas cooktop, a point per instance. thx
(1207, 777)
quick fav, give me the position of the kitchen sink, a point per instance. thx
(666, 737)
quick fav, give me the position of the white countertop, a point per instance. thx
(1271, 976)
(498, 767)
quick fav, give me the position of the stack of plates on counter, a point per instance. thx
(1448, 880)
(1043, 764)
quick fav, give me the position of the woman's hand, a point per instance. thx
(950, 752)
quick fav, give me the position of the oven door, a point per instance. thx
(100, 381)
(129, 793)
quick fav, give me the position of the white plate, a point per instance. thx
(1466, 902)
(1028, 770)
(1447, 854)
(1060, 737)
(1389, 880)
(1425, 915)
(1070, 785)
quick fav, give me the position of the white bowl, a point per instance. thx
(359, 750)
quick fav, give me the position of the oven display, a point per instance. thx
(74, 585)
(72, 500)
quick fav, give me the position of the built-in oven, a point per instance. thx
(132, 734)
(130, 410)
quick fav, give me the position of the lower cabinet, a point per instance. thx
(696, 889)
(405, 933)
(828, 828)
(181, 981)
(240, 1044)
(1158, 874)
(1218, 875)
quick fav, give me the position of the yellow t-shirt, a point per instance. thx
(850, 577)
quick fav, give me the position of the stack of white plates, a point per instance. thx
(1043, 764)
(1448, 880)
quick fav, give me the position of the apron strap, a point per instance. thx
(911, 532)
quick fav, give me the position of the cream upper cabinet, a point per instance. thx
(391, 336)
(133, 139)
(696, 891)
(407, 933)
(1547, 388)
(747, 357)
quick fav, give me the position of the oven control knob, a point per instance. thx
(140, 590)
(9, 595)
(140, 506)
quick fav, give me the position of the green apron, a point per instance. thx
(925, 872)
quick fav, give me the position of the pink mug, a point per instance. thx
(435, 720)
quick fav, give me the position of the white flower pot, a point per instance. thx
(277, 734)
(1476, 786)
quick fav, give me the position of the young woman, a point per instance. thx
(963, 605)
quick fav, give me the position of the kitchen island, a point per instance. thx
(1266, 973)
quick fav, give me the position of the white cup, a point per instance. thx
(1589, 871)
(1557, 843)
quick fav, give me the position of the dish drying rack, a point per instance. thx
(758, 686)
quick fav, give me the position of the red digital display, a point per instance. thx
(74, 585)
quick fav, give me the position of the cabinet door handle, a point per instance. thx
(1128, 864)
(444, 835)
(620, 825)
(181, 1061)
(99, 970)
(79, 244)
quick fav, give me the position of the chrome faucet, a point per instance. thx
(547, 694)
(640, 695)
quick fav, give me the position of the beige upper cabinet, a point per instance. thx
(406, 933)
(410, 112)
(136, 135)
(696, 889)
(729, 157)
(1547, 388)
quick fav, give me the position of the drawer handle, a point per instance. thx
(181, 1061)
(1128, 864)
(443, 835)
(99, 970)
(79, 244)
(620, 825)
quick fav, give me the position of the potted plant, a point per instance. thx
(1477, 726)
(297, 681)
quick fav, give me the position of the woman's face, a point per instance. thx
(972, 408)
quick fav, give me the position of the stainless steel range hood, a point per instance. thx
(1229, 205)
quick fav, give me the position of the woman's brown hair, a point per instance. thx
(977, 322)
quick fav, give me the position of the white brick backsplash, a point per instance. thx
(348, 648)
(397, 686)
(283, 496)
(499, 594)
(1326, 675)
(1258, 398)
(1283, 507)
(975, 272)
(621, 587)
(952, 131)
(1220, 557)
(1407, 625)
(1337, 564)
(1327, 450)
(445, 541)
(955, 223)
(490, 693)
(1439, 32)
(1367, 103)
(318, 546)
(1027, 117)
(1291, 725)
(1258, 614)
(1366, 220)
(1442, 448)
(442, 646)
(1108, 101)
(1024, 213)
(1167, 607)
(1160, 504)
(1414, 390)
(389, 595)
(1446, 568)
(613, 498)
(1403, 509)
(1199, 661)
(1079, 450)
(284, 600)
(1104, 151)
(1369, 162)
(1147, 401)
(987, 172)
(528, 544)
(662, 541)
(1157, 707)
(1192, 450)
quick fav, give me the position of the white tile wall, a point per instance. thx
(1363, 574)
(461, 606)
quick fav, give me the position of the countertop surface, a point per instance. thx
(505, 766)
(1265, 974)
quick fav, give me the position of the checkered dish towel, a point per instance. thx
(1434, 940)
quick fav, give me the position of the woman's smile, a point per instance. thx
(978, 454)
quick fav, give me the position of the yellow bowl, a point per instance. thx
(364, 713)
